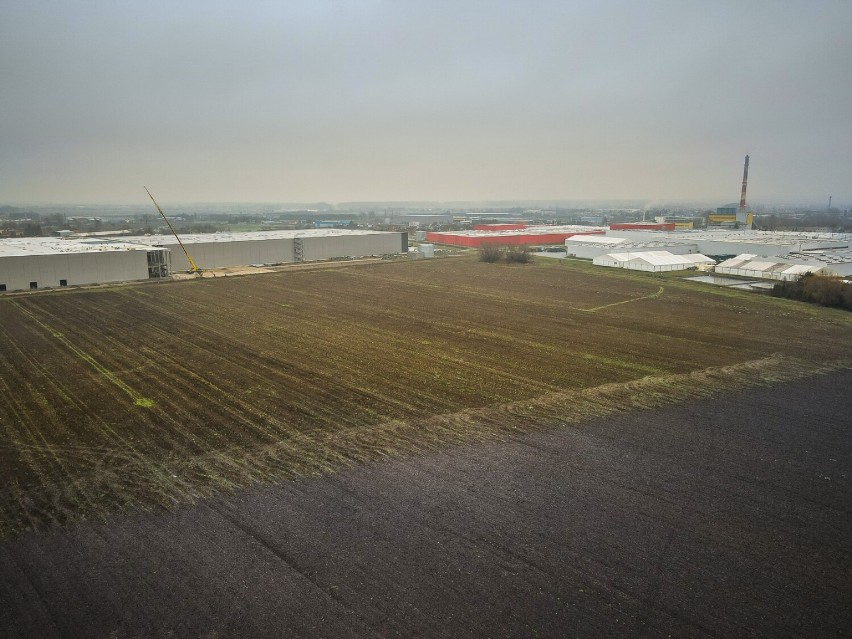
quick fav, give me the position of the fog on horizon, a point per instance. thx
(438, 101)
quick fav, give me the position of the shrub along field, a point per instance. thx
(150, 395)
(817, 289)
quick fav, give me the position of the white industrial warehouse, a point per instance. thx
(730, 242)
(35, 263)
(217, 250)
(591, 246)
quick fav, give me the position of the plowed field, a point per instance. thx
(150, 395)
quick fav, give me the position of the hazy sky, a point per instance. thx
(407, 100)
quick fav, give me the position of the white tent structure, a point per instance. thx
(748, 265)
(653, 261)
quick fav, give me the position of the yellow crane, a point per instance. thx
(193, 267)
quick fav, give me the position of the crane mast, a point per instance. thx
(193, 267)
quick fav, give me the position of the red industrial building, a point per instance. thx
(519, 237)
(643, 226)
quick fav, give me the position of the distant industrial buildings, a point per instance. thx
(35, 263)
(729, 216)
(734, 215)
(591, 246)
(814, 252)
(772, 255)
(523, 236)
(728, 243)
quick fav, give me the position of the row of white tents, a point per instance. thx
(745, 265)
(653, 261)
(748, 265)
(665, 254)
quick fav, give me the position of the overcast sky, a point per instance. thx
(407, 100)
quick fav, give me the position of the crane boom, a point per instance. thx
(194, 268)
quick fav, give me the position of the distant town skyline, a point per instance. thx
(425, 101)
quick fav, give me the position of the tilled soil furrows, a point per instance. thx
(148, 396)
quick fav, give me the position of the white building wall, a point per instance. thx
(236, 253)
(640, 265)
(715, 247)
(92, 266)
(605, 260)
(281, 251)
(587, 250)
(323, 248)
(734, 243)
(97, 267)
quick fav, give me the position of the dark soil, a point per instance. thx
(718, 517)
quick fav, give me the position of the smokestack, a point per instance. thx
(745, 181)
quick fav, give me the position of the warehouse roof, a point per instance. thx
(624, 243)
(251, 236)
(794, 239)
(826, 256)
(18, 247)
(15, 247)
(595, 239)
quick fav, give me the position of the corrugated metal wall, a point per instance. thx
(221, 254)
(16, 272)
(323, 248)
(281, 251)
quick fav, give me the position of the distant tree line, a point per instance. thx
(832, 220)
(816, 289)
(511, 254)
(200, 227)
(32, 229)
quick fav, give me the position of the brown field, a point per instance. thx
(151, 395)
